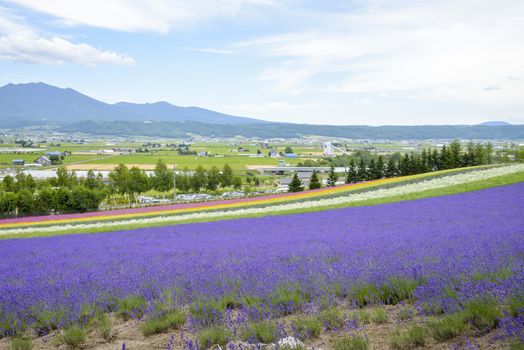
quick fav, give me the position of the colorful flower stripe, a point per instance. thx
(191, 207)
(193, 214)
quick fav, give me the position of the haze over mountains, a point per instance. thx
(42, 104)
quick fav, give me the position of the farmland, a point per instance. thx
(393, 275)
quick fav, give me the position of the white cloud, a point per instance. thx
(439, 50)
(21, 43)
(137, 15)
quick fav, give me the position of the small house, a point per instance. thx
(18, 162)
(43, 160)
(53, 154)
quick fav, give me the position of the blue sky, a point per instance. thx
(376, 62)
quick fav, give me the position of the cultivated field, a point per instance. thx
(435, 272)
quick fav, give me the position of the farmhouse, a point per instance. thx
(42, 160)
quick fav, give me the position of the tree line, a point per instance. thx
(21, 195)
(364, 167)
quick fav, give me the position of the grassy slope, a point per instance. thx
(472, 186)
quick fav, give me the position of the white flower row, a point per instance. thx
(431, 184)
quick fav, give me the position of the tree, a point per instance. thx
(227, 176)
(362, 173)
(288, 150)
(213, 179)
(8, 183)
(198, 180)
(138, 181)
(120, 179)
(65, 178)
(454, 154)
(351, 174)
(296, 184)
(379, 168)
(391, 168)
(24, 202)
(183, 181)
(332, 177)
(162, 177)
(314, 181)
(237, 183)
(8, 203)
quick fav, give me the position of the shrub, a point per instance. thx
(104, 326)
(207, 312)
(360, 317)
(351, 342)
(264, 332)
(410, 338)
(289, 298)
(398, 289)
(19, 343)
(307, 327)
(379, 316)
(515, 304)
(155, 325)
(331, 319)
(364, 294)
(74, 336)
(131, 307)
(214, 335)
(483, 313)
(448, 327)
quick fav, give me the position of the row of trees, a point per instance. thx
(363, 168)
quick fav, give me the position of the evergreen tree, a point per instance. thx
(445, 158)
(332, 177)
(391, 168)
(379, 172)
(351, 174)
(372, 168)
(362, 173)
(296, 184)
(314, 181)
(454, 154)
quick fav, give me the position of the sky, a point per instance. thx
(373, 62)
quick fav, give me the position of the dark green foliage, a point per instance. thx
(351, 342)
(162, 323)
(314, 181)
(296, 184)
(263, 332)
(409, 339)
(162, 177)
(227, 176)
(213, 179)
(448, 327)
(332, 177)
(214, 335)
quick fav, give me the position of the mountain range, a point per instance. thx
(42, 104)
(39, 102)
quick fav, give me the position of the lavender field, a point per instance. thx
(442, 254)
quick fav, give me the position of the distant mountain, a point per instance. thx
(495, 123)
(39, 103)
(163, 111)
